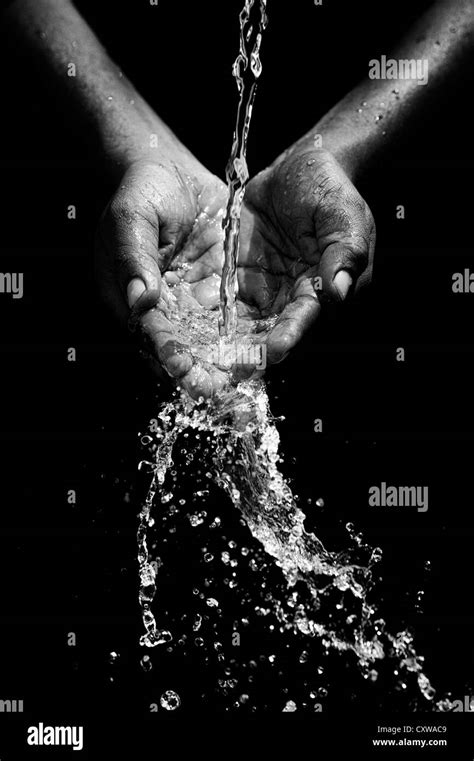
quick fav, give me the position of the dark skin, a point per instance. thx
(307, 237)
(286, 240)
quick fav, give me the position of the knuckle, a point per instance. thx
(120, 210)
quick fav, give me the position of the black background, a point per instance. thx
(73, 425)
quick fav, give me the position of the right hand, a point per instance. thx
(163, 228)
(160, 254)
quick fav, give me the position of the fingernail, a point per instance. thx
(342, 282)
(135, 289)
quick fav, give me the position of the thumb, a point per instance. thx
(339, 269)
(346, 259)
(127, 255)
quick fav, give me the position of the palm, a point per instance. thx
(183, 323)
(278, 260)
(302, 221)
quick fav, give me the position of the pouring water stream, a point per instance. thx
(245, 460)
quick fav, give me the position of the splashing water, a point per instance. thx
(245, 458)
(325, 594)
(247, 69)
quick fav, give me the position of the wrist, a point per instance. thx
(133, 133)
(339, 138)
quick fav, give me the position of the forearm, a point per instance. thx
(363, 125)
(115, 118)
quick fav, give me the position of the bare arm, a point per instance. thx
(117, 121)
(363, 124)
(307, 195)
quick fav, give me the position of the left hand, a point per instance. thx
(302, 219)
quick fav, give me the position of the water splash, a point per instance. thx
(323, 596)
(246, 70)
(326, 594)
(170, 700)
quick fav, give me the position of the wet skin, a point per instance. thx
(302, 220)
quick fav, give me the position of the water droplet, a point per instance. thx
(146, 663)
(170, 700)
(376, 555)
(146, 466)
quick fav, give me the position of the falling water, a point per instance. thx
(244, 463)
(247, 69)
(325, 594)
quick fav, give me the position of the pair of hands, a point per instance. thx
(306, 237)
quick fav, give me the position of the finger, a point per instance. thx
(147, 300)
(294, 321)
(207, 291)
(174, 356)
(340, 267)
(204, 382)
(197, 383)
(128, 244)
(160, 340)
(347, 247)
(135, 289)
